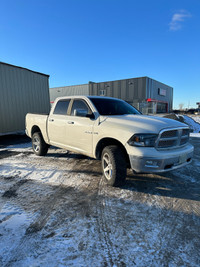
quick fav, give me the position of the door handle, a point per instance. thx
(51, 119)
(70, 122)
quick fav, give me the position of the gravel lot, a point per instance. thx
(57, 211)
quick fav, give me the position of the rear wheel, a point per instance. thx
(40, 148)
(113, 165)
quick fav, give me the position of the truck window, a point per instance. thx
(62, 107)
(79, 104)
(108, 106)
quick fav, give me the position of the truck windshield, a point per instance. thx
(108, 106)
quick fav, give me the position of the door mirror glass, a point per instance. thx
(80, 112)
(83, 113)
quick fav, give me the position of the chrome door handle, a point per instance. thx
(70, 122)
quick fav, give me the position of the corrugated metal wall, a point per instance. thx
(82, 89)
(153, 93)
(130, 90)
(21, 91)
(136, 91)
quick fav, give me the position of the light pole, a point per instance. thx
(198, 104)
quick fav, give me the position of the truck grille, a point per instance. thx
(172, 138)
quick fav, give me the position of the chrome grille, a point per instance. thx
(172, 138)
(168, 134)
(166, 143)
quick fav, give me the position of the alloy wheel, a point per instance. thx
(107, 166)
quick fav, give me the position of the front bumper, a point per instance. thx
(150, 160)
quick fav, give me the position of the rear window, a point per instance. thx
(62, 107)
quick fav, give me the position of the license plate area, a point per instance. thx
(183, 158)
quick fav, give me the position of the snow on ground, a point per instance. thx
(57, 211)
(197, 135)
(20, 146)
(193, 122)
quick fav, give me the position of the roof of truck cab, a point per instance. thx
(83, 97)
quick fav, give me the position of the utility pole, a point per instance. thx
(198, 104)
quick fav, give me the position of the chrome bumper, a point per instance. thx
(161, 163)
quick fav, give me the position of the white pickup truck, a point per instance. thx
(113, 131)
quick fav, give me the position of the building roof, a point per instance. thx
(142, 77)
(23, 68)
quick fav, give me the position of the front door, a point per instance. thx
(80, 129)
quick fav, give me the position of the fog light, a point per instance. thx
(151, 164)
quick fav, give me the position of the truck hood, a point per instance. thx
(141, 123)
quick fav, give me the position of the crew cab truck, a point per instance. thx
(111, 130)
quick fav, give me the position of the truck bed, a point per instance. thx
(37, 120)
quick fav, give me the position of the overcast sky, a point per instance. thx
(76, 41)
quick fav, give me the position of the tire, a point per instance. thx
(39, 146)
(113, 165)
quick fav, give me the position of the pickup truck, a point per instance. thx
(111, 130)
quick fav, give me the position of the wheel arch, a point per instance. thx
(108, 142)
(35, 129)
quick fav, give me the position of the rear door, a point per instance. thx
(58, 122)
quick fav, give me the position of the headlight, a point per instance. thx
(143, 140)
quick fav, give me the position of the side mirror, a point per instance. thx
(91, 116)
(83, 113)
(80, 112)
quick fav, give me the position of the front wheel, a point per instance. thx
(40, 148)
(113, 165)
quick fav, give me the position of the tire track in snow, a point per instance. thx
(104, 220)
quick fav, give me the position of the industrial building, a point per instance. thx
(144, 93)
(22, 91)
(82, 89)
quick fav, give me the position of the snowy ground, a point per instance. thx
(57, 211)
(193, 121)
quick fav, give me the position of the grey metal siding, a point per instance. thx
(116, 90)
(21, 91)
(130, 90)
(82, 89)
(136, 91)
(152, 92)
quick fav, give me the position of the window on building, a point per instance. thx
(162, 92)
(102, 92)
(161, 107)
(62, 107)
